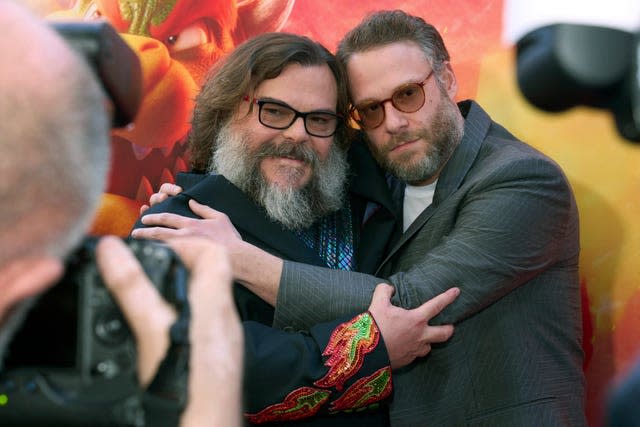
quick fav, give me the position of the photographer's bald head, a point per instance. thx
(54, 153)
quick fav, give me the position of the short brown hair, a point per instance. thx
(391, 26)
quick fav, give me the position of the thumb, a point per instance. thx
(203, 211)
(382, 295)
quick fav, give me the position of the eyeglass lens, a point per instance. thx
(280, 116)
(408, 98)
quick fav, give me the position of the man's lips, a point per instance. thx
(289, 160)
(403, 145)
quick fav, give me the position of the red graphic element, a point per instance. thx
(347, 347)
(366, 391)
(301, 403)
(177, 43)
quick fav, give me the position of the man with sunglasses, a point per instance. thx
(269, 127)
(481, 210)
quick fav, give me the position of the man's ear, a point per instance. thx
(449, 81)
(26, 277)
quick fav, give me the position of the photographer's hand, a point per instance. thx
(216, 336)
(148, 315)
(215, 331)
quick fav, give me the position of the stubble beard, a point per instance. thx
(295, 208)
(444, 136)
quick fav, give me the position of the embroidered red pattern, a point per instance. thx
(365, 391)
(300, 403)
(347, 347)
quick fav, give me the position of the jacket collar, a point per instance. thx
(476, 127)
(250, 219)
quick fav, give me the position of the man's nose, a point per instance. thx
(297, 130)
(394, 119)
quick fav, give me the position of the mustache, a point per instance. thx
(405, 137)
(296, 151)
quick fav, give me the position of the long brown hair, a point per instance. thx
(261, 58)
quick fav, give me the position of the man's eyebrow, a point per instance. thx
(279, 101)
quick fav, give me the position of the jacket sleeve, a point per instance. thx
(337, 366)
(519, 221)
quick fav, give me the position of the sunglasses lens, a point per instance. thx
(409, 98)
(370, 115)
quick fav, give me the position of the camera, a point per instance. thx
(563, 65)
(115, 64)
(73, 362)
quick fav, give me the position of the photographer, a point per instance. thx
(54, 150)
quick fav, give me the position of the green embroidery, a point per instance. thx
(309, 401)
(363, 327)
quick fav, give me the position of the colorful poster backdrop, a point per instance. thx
(178, 40)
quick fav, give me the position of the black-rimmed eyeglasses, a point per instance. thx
(278, 115)
(407, 98)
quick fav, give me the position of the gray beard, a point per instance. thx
(444, 135)
(295, 208)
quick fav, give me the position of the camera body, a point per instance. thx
(563, 65)
(114, 63)
(73, 362)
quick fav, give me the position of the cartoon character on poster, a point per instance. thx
(177, 42)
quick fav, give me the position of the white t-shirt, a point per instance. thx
(416, 199)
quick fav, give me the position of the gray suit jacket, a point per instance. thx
(503, 226)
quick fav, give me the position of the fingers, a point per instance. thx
(222, 219)
(192, 250)
(210, 267)
(215, 333)
(439, 333)
(156, 233)
(143, 209)
(381, 296)
(203, 211)
(169, 189)
(426, 349)
(157, 198)
(119, 268)
(129, 285)
(435, 305)
(162, 226)
(165, 219)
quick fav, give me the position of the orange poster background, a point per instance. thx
(603, 168)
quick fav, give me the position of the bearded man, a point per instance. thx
(480, 209)
(283, 182)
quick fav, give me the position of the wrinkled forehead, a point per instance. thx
(377, 72)
(304, 87)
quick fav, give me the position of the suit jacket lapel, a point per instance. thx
(375, 214)
(476, 128)
(250, 219)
